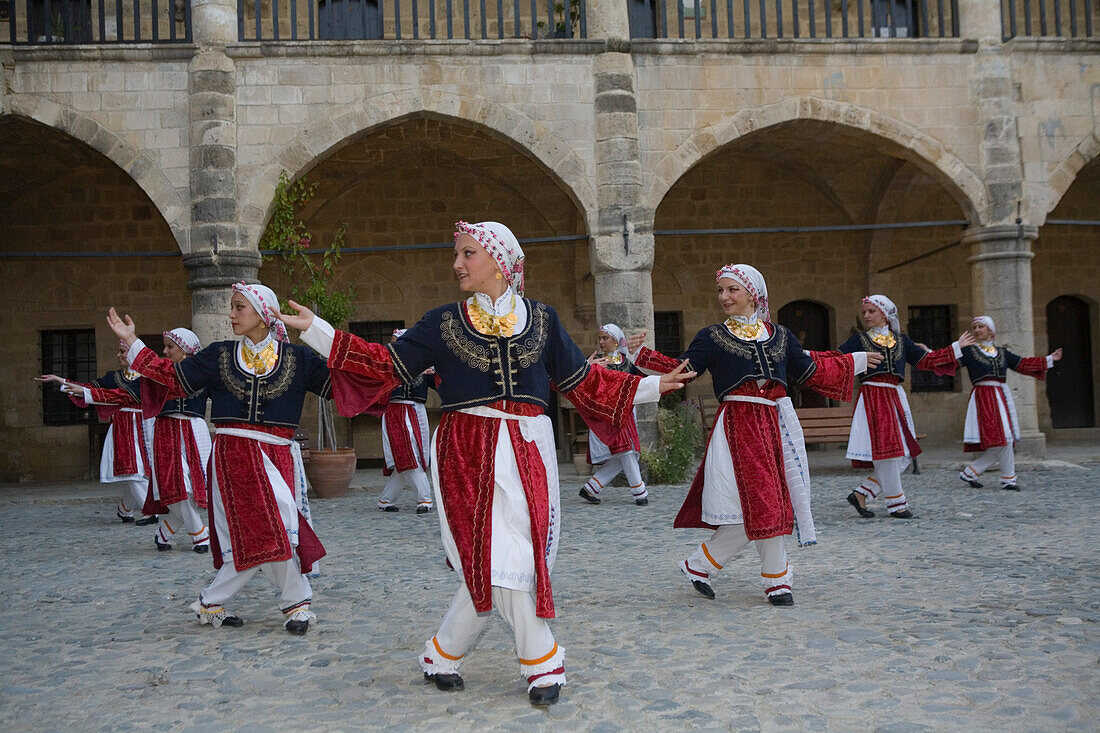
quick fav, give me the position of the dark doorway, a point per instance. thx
(643, 18)
(809, 322)
(349, 19)
(1069, 384)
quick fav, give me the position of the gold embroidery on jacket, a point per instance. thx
(470, 353)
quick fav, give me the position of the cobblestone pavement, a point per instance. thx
(981, 614)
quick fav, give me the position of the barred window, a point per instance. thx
(68, 353)
(931, 325)
(668, 332)
(379, 332)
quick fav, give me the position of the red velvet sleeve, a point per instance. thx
(941, 361)
(1033, 366)
(654, 361)
(362, 375)
(604, 398)
(112, 401)
(160, 384)
(834, 376)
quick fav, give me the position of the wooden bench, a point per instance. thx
(819, 424)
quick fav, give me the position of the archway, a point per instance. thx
(809, 321)
(1069, 386)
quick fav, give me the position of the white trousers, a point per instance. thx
(286, 575)
(183, 516)
(885, 481)
(539, 655)
(1004, 454)
(624, 463)
(415, 479)
(725, 544)
(134, 490)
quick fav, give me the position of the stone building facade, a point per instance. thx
(141, 175)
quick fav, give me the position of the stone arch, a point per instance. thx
(324, 136)
(923, 151)
(137, 164)
(1065, 174)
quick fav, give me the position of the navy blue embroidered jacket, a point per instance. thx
(477, 370)
(191, 406)
(238, 396)
(415, 392)
(117, 380)
(733, 361)
(982, 366)
(905, 351)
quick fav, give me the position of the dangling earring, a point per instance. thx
(498, 276)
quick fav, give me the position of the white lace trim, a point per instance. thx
(302, 614)
(432, 663)
(214, 618)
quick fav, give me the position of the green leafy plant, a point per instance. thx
(309, 275)
(561, 26)
(679, 443)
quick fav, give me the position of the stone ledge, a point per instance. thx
(1053, 45)
(393, 48)
(113, 52)
(840, 46)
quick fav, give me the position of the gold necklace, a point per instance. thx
(614, 357)
(886, 340)
(745, 331)
(490, 325)
(260, 362)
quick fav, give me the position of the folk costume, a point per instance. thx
(256, 478)
(493, 459)
(125, 458)
(405, 444)
(992, 426)
(883, 436)
(621, 455)
(753, 484)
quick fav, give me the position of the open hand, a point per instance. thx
(301, 320)
(72, 389)
(635, 341)
(966, 338)
(1056, 355)
(124, 328)
(50, 379)
(874, 358)
(677, 378)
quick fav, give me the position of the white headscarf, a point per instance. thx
(888, 309)
(263, 299)
(185, 339)
(501, 245)
(616, 333)
(987, 321)
(751, 279)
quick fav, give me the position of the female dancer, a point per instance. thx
(992, 427)
(883, 435)
(620, 456)
(496, 356)
(405, 443)
(753, 483)
(125, 457)
(257, 386)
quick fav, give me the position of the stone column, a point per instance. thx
(621, 246)
(218, 253)
(1000, 275)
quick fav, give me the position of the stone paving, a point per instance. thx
(980, 614)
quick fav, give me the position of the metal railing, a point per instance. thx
(715, 19)
(1065, 18)
(70, 22)
(293, 20)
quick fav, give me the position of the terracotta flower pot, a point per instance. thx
(330, 471)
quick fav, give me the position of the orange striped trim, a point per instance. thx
(896, 497)
(195, 534)
(169, 527)
(1006, 478)
(445, 655)
(596, 480)
(122, 504)
(709, 557)
(295, 607)
(777, 575)
(540, 660)
(872, 480)
(639, 485)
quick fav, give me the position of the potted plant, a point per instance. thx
(309, 272)
(563, 27)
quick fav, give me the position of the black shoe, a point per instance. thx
(201, 549)
(642, 502)
(145, 521)
(703, 588)
(446, 682)
(125, 519)
(390, 508)
(903, 514)
(589, 497)
(781, 599)
(423, 509)
(162, 546)
(1010, 487)
(546, 695)
(235, 621)
(863, 511)
(298, 628)
(971, 482)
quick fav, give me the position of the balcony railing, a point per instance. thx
(71, 22)
(1065, 18)
(293, 20)
(714, 19)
